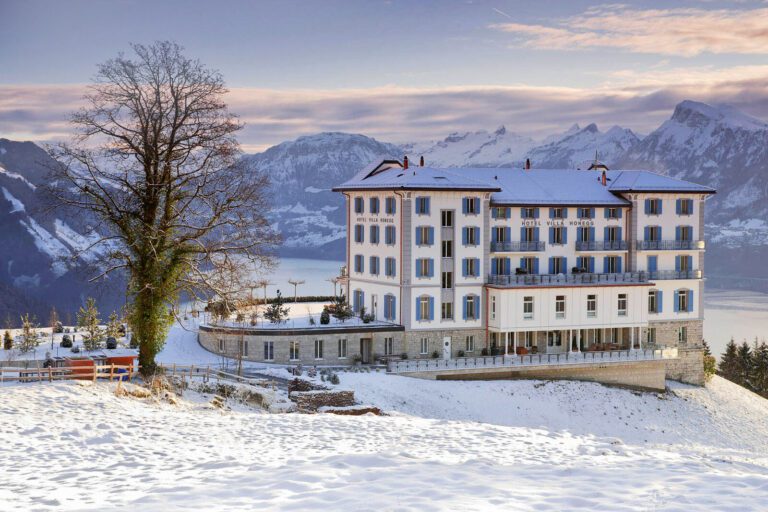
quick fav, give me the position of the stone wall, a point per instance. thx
(313, 400)
(667, 333)
(688, 367)
(411, 342)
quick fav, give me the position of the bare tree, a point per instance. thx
(156, 160)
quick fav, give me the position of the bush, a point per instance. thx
(58, 328)
(66, 342)
(404, 356)
(325, 317)
(368, 318)
(334, 379)
(134, 342)
(484, 352)
(75, 350)
(111, 343)
(435, 354)
(461, 353)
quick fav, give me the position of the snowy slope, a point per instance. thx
(457, 446)
(474, 149)
(577, 150)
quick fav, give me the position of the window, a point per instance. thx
(390, 205)
(529, 213)
(529, 264)
(318, 349)
(472, 303)
(684, 263)
(612, 264)
(500, 234)
(390, 267)
(359, 263)
(447, 280)
(622, 305)
(500, 266)
(501, 212)
(653, 301)
(389, 307)
(586, 234)
(424, 308)
(425, 235)
(683, 300)
(557, 265)
(471, 267)
(612, 213)
(374, 234)
(446, 218)
(358, 300)
(653, 233)
(527, 308)
(591, 306)
(424, 267)
(358, 205)
(342, 348)
(529, 338)
(374, 265)
(293, 350)
(447, 249)
(269, 350)
(685, 206)
(422, 206)
(471, 235)
(528, 234)
(245, 348)
(557, 213)
(554, 338)
(389, 235)
(586, 213)
(560, 306)
(612, 234)
(650, 336)
(221, 345)
(423, 346)
(682, 335)
(557, 235)
(653, 206)
(684, 233)
(446, 311)
(374, 205)
(471, 205)
(470, 346)
(389, 346)
(493, 308)
(359, 233)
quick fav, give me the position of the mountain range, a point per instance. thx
(44, 263)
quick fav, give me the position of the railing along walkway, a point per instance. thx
(514, 361)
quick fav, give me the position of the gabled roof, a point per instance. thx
(566, 187)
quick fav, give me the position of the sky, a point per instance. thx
(398, 70)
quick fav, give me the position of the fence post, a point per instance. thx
(94, 371)
(111, 372)
(50, 374)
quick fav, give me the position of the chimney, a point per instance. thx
(405, 162)
(527, 164)
(604, 179)
(421, 161)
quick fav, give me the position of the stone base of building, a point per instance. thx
(688, 367)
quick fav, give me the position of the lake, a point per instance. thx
(742, 315)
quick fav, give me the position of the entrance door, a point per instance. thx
(446, 347)
(365, 350)
(374, 304)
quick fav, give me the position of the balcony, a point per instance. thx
(669, 245)
(590, 278)
(605, 245)
(518, 246)
(658, 275)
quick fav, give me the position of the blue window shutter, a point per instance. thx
(495, 213)
(464, 265)
(606, 233)
(431, 308)
(652, 263)
(661, 237)
(418, 308)
(477, 266)
(551, 213)
(507, 212)
(464, 236)
(419, 240)
(580, 262)
(678, 230)
(647, 233)
(507, 234)
(418, 268)
(677, 206)
(690, 262)
(661, 203)
(591, 234)
(495, 235)
(618, 264)
(690, 206)
(591, 213)
(535, 265)
(607, 213)
(522, 235)
(427, 201)
(477, 307)
(565, 235)
(464, 307)
(605, 264)
(477, 236)
(659, 295)
(431, 267)
(392, 307)
(592, 264)
(464, 205)
(690, 300)
(535, 234)
(551, 235)
(579, 235)
(647, 206)
(494, 266)
(565, 213)
(619, 233)
(551, 264)
(677, 263)
(535, 213)
(431, 232)
(564, 264)
(507, 266)
(620, 211)
(676, 301)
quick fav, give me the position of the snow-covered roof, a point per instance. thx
(522, 187)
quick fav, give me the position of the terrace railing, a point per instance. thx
(603, 245)
(518, 246)
(558, 279)
(513, 361)
(669, 245)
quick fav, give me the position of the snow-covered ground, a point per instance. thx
(519, 445)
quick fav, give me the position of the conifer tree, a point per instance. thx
(729, 367)
(276, 312)
(710, 363)
(340, 309)
(28, 334)
(88, 320)
(113, 326)
(7, 340)
(744, 361)
(759, 377)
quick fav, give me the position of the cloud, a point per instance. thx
(640, 101)
(683, 31)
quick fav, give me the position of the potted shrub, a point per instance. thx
(66, 341)
(484, 351)
(461, 353)
(357, 359)
(435, 354)
(404, 356)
